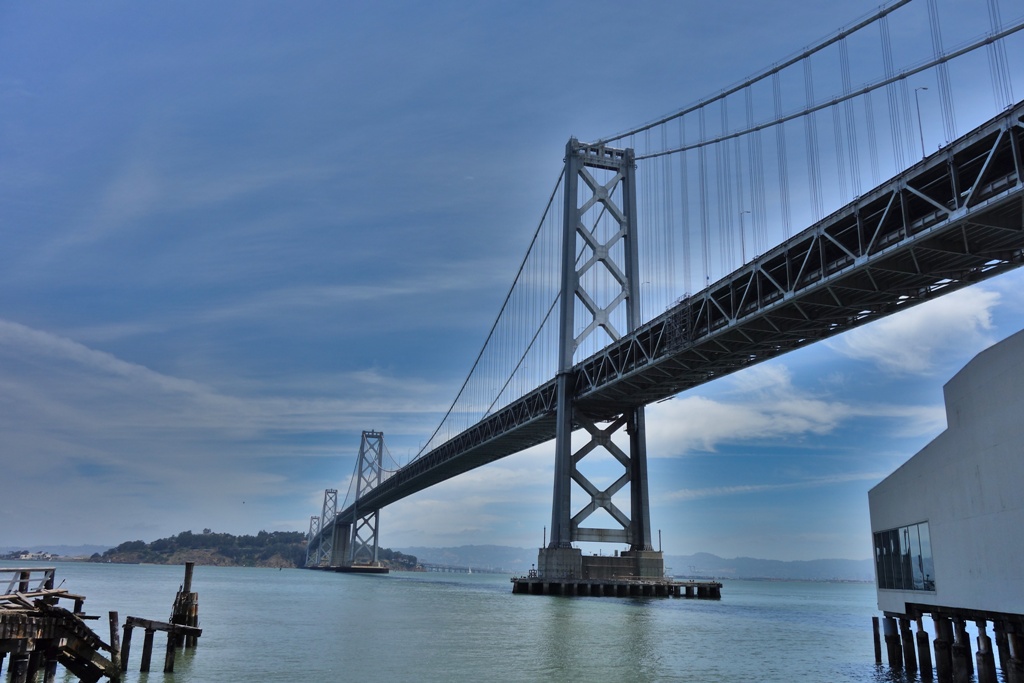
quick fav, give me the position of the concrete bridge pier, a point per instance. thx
(340, 548)
(985, 656)
(893, 645)
(943, 644)
(907, 640)
(1015, 661)
(963, 666)
(924, 651)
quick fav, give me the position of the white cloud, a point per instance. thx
(494, 503)
(744, 489)
(769, 407)
(912, 341)
(764, 405)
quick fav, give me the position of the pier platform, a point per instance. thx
(617, 587)
(355, 569)
(361, 569)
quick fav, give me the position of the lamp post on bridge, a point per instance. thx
(920, 130)
(743, 239)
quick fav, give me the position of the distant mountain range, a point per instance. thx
(706, 564)
(700, 564)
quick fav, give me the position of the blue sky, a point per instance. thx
(236, 234)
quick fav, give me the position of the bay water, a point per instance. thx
(299, 625)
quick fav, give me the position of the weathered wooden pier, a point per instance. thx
(182, 629)
(39, 635)
(621, 587)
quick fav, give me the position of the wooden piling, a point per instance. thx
(169, 655)
(115, 645)
(35, 660)
(19, 667)
(147, 650)
(877, 640)
(185, 610)
(126, 646)
(50, 665)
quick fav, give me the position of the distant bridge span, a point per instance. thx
(951, 220)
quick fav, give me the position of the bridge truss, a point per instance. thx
(953, 219)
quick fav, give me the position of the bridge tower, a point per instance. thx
(358, 540)
(312, 555)
(325, 549)
(600, 283)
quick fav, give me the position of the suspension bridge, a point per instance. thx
(668, 255)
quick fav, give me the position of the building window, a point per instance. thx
(903, 558)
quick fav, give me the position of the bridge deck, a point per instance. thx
(951, 220)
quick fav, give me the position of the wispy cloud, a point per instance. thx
(60, 381)
(746, 489)
(910, 343)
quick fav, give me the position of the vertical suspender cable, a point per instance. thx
(758, 209)
(780, 139)
(702, 172)
(668, 254)
(741, 199)
(895, 128)
(869, 115)
(684, 212)
(726, 217)
(1002, 86)
(851, 119)
(811, 138)
(945, 91)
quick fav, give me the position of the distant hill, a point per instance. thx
(64, 551)
(706, 564)
(265, 549)
(700, 564)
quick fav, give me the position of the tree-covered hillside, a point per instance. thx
(265, 549)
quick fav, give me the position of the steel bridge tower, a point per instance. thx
(312, 554)
(325, 549)
(355, 544)
(599, 246)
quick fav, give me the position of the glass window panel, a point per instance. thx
(903, 578)
(916, 569)
(879, 560)
(927, 566)
(903, 558)
(894, 558)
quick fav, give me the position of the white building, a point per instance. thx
(948, 525)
